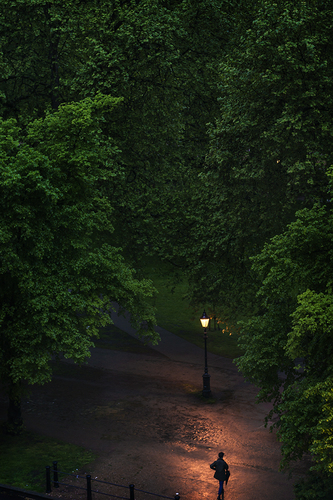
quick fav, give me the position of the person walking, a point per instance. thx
(221, 473)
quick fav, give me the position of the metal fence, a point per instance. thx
(130, 489)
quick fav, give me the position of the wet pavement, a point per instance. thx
(144, 417)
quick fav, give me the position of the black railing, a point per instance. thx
(88, 488)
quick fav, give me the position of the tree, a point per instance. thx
(161, 56)
(58, 274)
(37, 56)
(269, 151)
(288, 346)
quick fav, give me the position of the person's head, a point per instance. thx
(221, 454)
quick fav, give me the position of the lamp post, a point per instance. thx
(205, 377)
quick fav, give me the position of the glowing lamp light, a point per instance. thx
(204, 320)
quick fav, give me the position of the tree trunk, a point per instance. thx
(15, 422)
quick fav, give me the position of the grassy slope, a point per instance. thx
(175, 314)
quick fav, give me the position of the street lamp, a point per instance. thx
(205, 377)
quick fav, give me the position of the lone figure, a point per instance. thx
(221, 467)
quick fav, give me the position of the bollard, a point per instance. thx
(89, 497)
(177, 496)
(131, 487)
(48, 479)
(55, 474)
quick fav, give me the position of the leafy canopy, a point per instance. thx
(58, 275)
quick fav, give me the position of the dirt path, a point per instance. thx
(143, 418)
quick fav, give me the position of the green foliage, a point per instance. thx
(269, 152)
(289, 344)
(161, 56)
(163, 60)
(36, 55)
(53, 207)
(315, 487)
(23, 459)
(312, 328)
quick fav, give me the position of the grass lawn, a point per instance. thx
(175, 314)
(23, 459)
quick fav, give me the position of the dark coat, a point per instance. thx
(220, 466)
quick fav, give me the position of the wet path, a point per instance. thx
(142, 415)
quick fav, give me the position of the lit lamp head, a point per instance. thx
(204, 320)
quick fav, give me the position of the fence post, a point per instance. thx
(48, 479)
(177, 496)
(131, 487)
(55, 474)
(89, 496)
